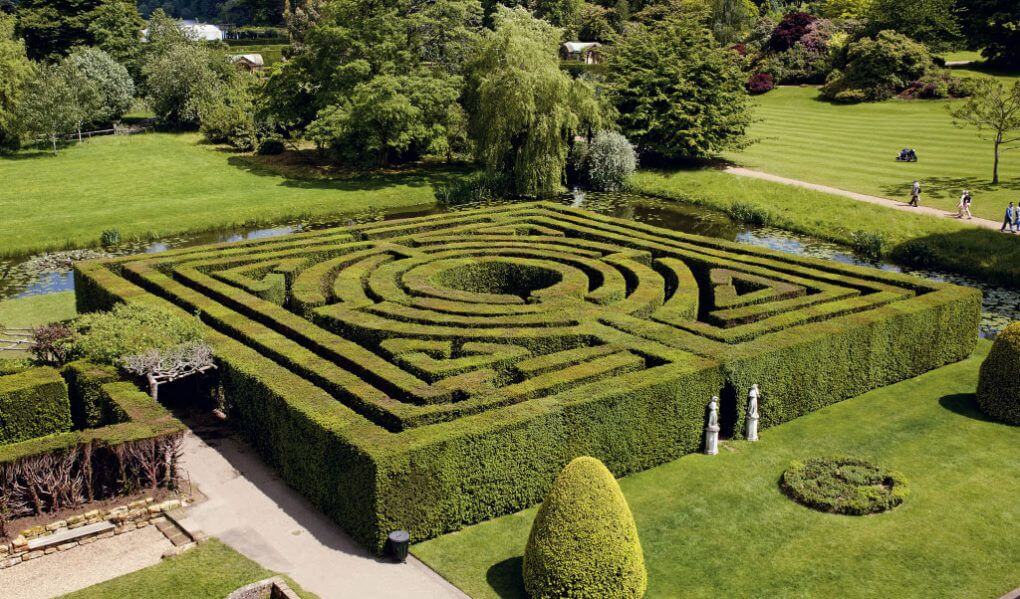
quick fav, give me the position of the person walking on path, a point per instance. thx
(1016, 218)
(967, 199)
(1009, 221)
(915, 194)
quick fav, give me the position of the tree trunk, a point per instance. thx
(79, 132)
(53, 138)
(995, 167)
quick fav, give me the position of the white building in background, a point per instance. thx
(206, 32)
(202, 31)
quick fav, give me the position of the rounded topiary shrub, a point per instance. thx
(998, 394)
(584, 542)
(844, 485)
(609, 161)
(760, 83)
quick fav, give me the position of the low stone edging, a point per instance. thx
(270, 588)
(31, 543)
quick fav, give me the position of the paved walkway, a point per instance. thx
(935, 212)
(79, 567)
(251, 509)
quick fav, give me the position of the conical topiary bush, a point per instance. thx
(998, 393)
(584, 542)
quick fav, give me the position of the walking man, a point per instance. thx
(915, 194)
(1010, 215)
(967, 199)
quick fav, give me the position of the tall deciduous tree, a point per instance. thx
(564, 14)
(994, 110)
(731, 20)
(109, 81)
(52, 27)
(679, 95)
(49, 108)
(932, 22)
(17, 70)
(116, 28)
(417, 49)
(391, 116)
(524, 110)
(178, 80)
(179, 74)
(993, 25)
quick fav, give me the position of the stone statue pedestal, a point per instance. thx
(752, 428)
(711, 440)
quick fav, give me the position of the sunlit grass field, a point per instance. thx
(853, 147)
(209, 571)
(719, 526)
(160, 183)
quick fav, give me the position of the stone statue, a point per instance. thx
(752, 413)
(712, 428)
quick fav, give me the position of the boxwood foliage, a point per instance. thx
(584, 542)
(33, 403)
(514, 339)
(998, 393)
(844, 485)
(125, 441)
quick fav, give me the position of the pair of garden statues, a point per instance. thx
(751, 420)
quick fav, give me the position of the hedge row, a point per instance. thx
(33, 403)
(130, 444)
(434, 372)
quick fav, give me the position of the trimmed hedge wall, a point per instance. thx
(33, 403)
(131, 444)
(396, 399)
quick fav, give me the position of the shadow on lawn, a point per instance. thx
(964, 404)
(951, 187)
(306, 175)
(989, 255)
(507, 578)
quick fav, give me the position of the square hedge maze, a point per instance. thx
(432, 372)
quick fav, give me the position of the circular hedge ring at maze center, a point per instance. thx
(843, 485)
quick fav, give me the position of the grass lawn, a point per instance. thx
(209, 571)
(962, 56)
(718, 526)
(37, 310)
(950, 244)
(854, 147)
(169, 183)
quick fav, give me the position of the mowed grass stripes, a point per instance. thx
(854, 147)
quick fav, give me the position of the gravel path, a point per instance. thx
(935, 212)
(79, 567)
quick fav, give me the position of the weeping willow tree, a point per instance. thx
(524, 110)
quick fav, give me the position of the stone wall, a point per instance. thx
(32, 542)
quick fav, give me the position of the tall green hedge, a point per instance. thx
(33, 403)
(417, 413)
(998, 393)
(584, 543)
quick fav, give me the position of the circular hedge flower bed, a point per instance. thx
(844, 485)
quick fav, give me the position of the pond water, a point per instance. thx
(51, 272)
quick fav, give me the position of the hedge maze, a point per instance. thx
(432, 372)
